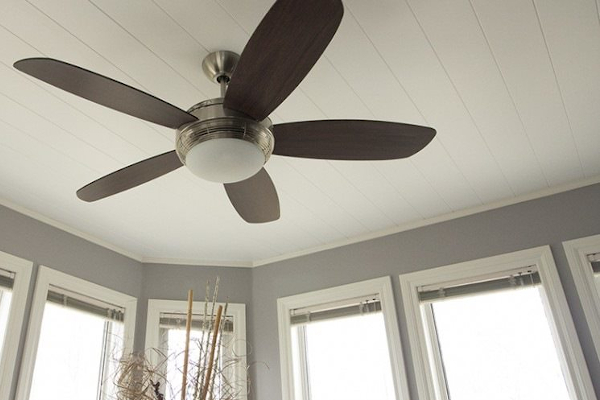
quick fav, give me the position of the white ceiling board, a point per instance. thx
(413, 187)
(288, 179)
(107, 38)
(31, 148)
(411, 67)
(165, 38)
(332, 95)
(25, 92)
(377, 88)
(525, 67)
(454, 34)
(333, 184)
(208, 23)
(572, 33)
(298, 107)
(18, 170)
(514, 100)
(34, 124)
(375, 187)
(444, 176)
(52, 40)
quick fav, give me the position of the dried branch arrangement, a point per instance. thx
(206, 372)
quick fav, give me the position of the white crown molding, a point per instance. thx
(340, 243)
(198, 263)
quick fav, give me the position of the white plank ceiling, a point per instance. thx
(512, 87)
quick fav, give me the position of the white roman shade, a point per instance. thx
(85, 304)
(7, 279)
(340, 309)
(595, 261)
(176, 320)
(514, 280)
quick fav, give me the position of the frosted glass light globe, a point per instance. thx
(225, 160)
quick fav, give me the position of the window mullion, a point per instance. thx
(304, 372)
(103, 369)
(439, 372)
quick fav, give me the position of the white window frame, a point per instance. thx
(577, 251)
(236, 310)
(46, 277)
(570, 353)
(379, 286)
(22, 270)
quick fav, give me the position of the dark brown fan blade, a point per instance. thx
(255, 198)
(131, 176)
(350, 139)
(105, 91)
(282, 50)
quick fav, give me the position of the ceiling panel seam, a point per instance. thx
(60, 26)
(560, 91)
(194, 84)
(416, 108)
(75, 109)
(460, 97)
(510, 95)
(452, 160)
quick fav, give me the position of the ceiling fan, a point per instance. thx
(229, 139)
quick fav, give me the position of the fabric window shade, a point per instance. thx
(177, 321)
(595, 261)
(7, 279)
(514, 281)
(346, 308)
(85, 304)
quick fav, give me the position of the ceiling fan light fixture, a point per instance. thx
(223, 146)
(225, 160)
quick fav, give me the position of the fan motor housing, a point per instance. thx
(215, 121)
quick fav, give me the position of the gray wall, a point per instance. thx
(550, 220)
(545, 221)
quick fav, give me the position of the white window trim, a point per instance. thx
(580, 384)
(577, 251)
(22, 269)
(380, 286)
(47, 277)
(236, 310)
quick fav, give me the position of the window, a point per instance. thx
(495, 328)
(7, 279)
(341, 343)
(584, 260)
(78, 333)
(166, 333)
(14, 284)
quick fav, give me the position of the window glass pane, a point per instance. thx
(173, 345)
(347, 359)
(5, 299)
(76, 353)
(596, 269)
(499, 346)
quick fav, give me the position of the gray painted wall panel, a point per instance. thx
(550, 220)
